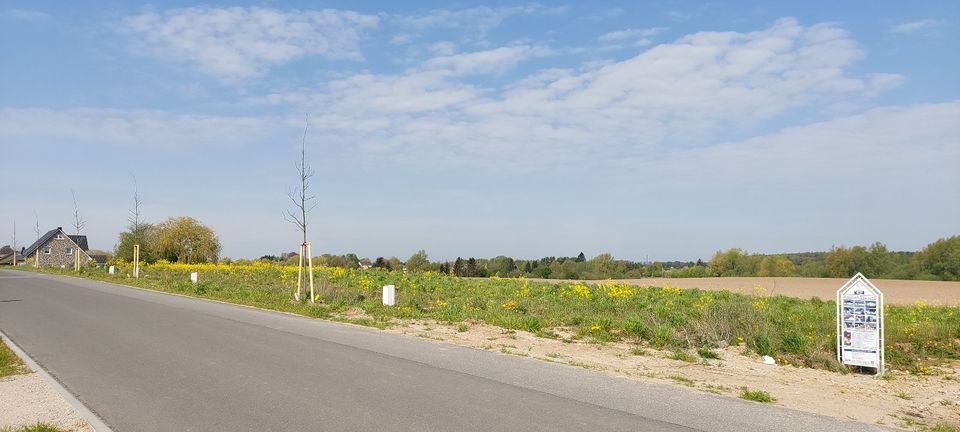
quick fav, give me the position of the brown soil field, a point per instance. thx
(899, 292)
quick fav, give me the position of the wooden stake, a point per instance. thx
(136, 261)
(310, 263)
(296, 295)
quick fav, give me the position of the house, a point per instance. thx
(57, 248)
(8, 256)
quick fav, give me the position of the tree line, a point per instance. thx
(939, 260)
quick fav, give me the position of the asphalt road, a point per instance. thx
(147, 361)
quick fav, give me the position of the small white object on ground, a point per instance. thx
(111, 270)
(389, 295)
(193, 277)
(769, 360)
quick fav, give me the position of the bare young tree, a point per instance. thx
(135, 219)
(303, 203)
(301, 198)
(78, 222)
(14, 238)
(36, 224)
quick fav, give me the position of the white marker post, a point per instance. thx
(110, 270)
(389, 295)
(193, 277)
(860, 324)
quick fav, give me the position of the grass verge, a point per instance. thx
(756, 396)
(39, 427)
(10, 364)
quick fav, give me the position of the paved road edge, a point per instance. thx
(91, 418)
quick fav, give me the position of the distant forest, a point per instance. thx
(939, 260)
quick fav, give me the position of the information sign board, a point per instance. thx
(860, 324)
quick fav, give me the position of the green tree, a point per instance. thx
(143, 234)
(776, 265)
(183, 239)
(418, 261)
(939, 260)
(458, 267)
(581, 257)
(502, 266)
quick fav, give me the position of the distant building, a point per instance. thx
(8, 256)
(57, 248)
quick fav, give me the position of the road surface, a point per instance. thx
(148, 361)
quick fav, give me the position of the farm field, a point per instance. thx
(798, 331)
(708, 340)
(895, 292)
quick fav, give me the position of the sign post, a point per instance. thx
(860, 324)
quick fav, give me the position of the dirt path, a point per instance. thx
(901, 292)
(900, 399)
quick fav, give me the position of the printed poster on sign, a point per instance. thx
(860, 324)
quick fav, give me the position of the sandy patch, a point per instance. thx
(27, 399)
(907, 401)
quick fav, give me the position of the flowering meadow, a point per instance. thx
(800, 332)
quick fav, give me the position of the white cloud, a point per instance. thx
(915, 26)
(236, 43)
(481, 62)
(482, 18)
(26, 15)
(916, 143)
(148, 129)
(674, 94)
(622, 35)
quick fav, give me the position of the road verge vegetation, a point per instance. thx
(10, 364)
(797, 332)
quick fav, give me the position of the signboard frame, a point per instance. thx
(860, 281)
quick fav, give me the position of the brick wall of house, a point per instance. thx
(58, 253)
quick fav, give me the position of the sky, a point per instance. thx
(660, 130)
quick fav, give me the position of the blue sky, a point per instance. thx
(651, 130)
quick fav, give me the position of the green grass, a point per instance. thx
(10, 364)
(682, 380)
(904, 395)
(801, 332)
(707, 353)
(39, 427)
(944, 427)
(683, 355)
(756, 396)
(462, 328)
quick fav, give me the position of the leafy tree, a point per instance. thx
(184, 239)
(381, 263)
(394, 263)
(776, 265)
(939, 260)
(418, 261)
(581, 257)
(458, 267)
(471, 270)
(502, 266)
(143, 234)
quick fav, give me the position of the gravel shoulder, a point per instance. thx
(900, 400)
(27, 399)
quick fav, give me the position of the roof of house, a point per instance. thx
(80, 240)
(8, 258)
